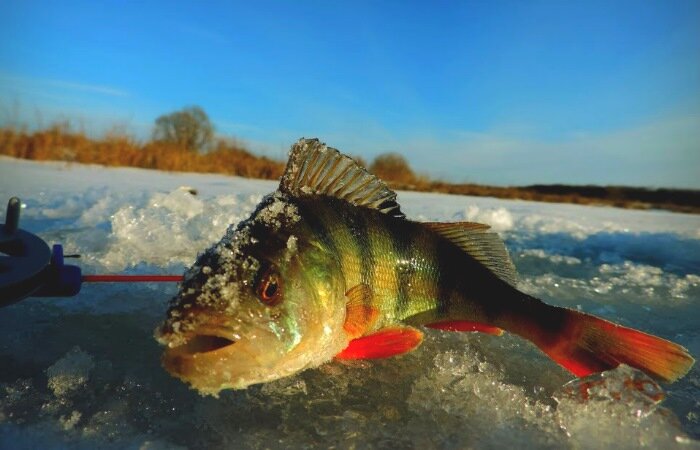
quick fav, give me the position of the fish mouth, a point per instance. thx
(212, 358)
(204, 342)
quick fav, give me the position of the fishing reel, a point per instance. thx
(29, 268)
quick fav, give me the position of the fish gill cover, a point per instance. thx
(84, 372)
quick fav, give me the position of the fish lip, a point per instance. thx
(212, 370)
(204, 341)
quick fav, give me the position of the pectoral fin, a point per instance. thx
(385, 343)
(360, 313)
(465, 325)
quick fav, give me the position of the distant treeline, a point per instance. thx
(678, 200)
(60, 142)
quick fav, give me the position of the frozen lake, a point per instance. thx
(84, 372)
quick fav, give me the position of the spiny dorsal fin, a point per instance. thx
(482, 245)
(315, 169)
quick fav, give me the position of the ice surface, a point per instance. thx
(84, 372)
(70, 373)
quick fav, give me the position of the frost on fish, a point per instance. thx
(218, 277)
(227, 328)
(218, 332)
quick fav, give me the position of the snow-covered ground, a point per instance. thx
(84, 372)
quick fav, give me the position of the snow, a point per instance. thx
(84, 372)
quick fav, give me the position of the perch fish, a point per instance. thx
(329, 267)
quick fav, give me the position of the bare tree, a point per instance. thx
(189, 128)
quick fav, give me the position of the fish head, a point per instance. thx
(263, 303)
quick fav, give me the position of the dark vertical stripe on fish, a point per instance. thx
(402, 237)
(315, 222)
(358, 230)
(446, 277)
(338, 232)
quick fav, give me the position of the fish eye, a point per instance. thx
(269, 288)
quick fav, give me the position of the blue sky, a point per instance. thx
(493, 92)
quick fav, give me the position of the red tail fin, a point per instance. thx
(587, 344)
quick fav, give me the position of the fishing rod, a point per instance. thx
(29, 268)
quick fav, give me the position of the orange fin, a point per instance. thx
(360, 314)
(465, 325)
(383, 344)
(591, 344)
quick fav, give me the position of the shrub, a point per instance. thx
(392, 167)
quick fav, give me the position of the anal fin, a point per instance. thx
(384, 343)
(465, 325)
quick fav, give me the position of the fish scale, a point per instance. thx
(399, 264)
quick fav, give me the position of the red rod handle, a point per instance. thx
(130, 278)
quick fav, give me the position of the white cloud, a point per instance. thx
(105, 90)
(37, 84)
(661, 153)
(665, 153)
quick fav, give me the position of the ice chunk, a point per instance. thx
(170, 229)
(624, 384)
(69, 422)
(554, 258)
(498, 218)
(70, 373)
(619, 408)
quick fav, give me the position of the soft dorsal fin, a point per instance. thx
(315, 169)
(481, 244)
